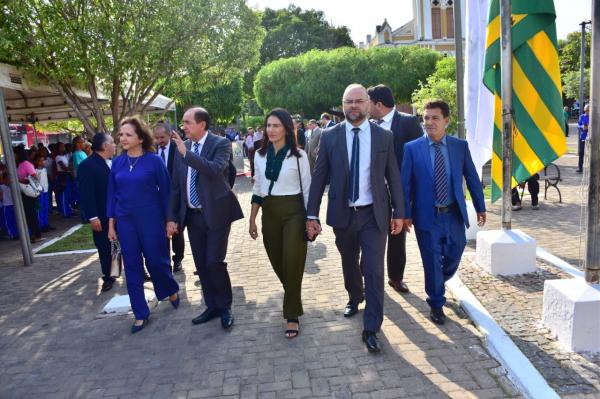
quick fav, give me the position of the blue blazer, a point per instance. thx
(92, 179)
(417, 181)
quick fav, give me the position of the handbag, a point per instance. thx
(33, 188)
(302, 192)
(116, 263)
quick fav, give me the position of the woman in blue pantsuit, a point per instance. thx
(138, 192)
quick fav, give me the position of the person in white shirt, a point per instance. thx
(44, 208)
(282, 181)
(250, 147)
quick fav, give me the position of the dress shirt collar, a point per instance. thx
(201, 141)
(363, 127)
(389, 116)
(431, 142)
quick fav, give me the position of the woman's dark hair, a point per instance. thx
(141, 130)
(290, 135)
(98, 141)
(20, 154)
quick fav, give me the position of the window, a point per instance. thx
(450, 22)
(436, 23)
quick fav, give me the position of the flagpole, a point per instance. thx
(460, 87)
(592, 259)
(507, 139)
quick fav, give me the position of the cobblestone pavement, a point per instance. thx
(516, 302)
(54, 344)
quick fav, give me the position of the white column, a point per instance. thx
(427, 14)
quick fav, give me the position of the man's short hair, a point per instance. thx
(312, 121)
(98, 141)
(201, 115)
(325, 115)
(381, 94)
(440, 104)
(162, 125)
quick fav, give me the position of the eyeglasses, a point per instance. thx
(357, 102)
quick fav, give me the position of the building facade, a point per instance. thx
(432, 27)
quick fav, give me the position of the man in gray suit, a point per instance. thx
(313, 143)
(357, 158)
(201, 200)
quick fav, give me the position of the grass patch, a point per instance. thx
(487, 193)
(80, 239)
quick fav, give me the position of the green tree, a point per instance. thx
(131, 50)
(314, 82)
(569, 52)
(440, 85)
(571, 85)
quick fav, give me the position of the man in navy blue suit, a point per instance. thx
(432, 177)
(92, 178)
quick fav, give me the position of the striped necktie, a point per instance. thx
(353, 177)
(441, 181)
(162, 154)
(194, 198)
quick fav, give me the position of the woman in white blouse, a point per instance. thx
(282, 181)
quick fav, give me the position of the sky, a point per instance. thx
(361, 16)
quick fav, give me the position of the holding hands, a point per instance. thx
(313, 228)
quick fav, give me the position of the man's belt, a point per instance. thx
(446, 209)
(361, 207)
(195, 210)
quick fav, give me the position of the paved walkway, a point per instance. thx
(54, 344)
(516, 302)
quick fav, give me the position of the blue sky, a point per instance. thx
(361, 16)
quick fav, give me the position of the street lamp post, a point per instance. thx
(507, 139)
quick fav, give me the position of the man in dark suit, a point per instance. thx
(326, 121)
(166, 150)
(432, 176)
(202, 200)
(405, 128)
(312, 147)
(92, 178)
(357, 157)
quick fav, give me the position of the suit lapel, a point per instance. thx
(424, 145)
(343, 144)
(374, 144)
(453, 158)
(171, 156)
(207, 143)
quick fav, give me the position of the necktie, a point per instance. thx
(441, 182)
(194, 198)
(353, 178)
(162, 154)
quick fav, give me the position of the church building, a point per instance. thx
(432, 27)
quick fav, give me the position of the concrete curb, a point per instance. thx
(556, 261)
(519, 369)
(81, 251)
(52, 241)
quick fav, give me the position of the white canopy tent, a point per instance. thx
(22, 101)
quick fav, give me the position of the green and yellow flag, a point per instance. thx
(538, 124)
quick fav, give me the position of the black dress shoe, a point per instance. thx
(351, 309)
(370, 339)
(399, 286)
(107, 285)
(227, 319)
(437, 315)
(207, 315)
(177, 267)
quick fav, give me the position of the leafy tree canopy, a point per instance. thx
(315, 81)
(569, 51)
(571, 83)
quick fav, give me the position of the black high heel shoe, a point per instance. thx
(175, 303)
(135, 329)
(291, 333)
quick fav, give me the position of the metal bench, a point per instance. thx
(551, 178)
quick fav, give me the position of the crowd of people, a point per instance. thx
(384, 177)
(47, 177)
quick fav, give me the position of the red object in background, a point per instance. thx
(28, 135)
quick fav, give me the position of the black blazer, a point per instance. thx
(333, 167)
(405, 128)
(219, 202)
(172, 149)
(92, 179)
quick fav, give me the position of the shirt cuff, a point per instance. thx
(94, 218)
(312, 217)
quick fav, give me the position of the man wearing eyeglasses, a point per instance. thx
(357, 158)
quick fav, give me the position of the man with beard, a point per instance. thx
(357, 158)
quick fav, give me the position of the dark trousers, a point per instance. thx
(143, 236)
(31, 215)
(396, 256)
(581, 154)
(209, 247)
(441, 249)
(103, 245)
(283, 224)
(178, 246)
(363, 240)
(533, 186)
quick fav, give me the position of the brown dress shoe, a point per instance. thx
(399, 286)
